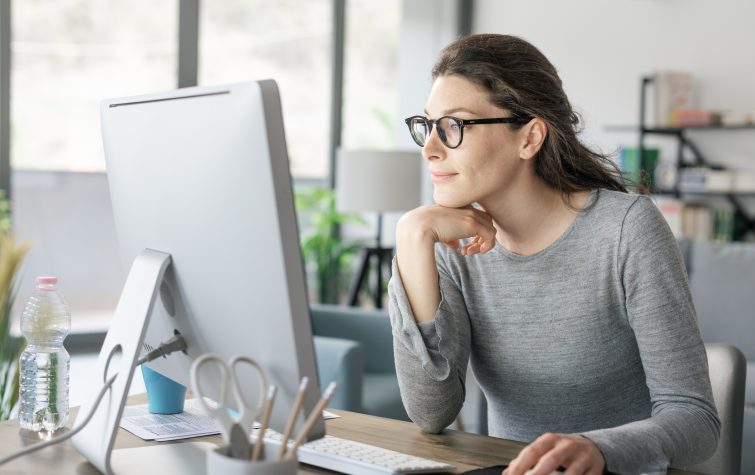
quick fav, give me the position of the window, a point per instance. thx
(370, 112)
(67, 56)
(289, 41)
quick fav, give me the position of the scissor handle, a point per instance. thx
(247, 412)
(219, 413)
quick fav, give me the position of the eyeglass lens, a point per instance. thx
(449, 131)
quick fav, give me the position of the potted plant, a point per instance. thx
(11, 256)
(322, 248)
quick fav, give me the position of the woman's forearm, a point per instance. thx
(415, 256)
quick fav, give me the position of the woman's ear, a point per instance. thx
(533, 136)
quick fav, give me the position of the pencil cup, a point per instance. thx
(219, 463)
(164, 396)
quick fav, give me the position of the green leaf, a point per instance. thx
(321, 246)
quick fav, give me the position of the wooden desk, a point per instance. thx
(464, 450)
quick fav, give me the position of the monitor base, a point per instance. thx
(185, 458)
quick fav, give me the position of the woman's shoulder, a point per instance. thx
(610, 200)
(618, 207)
(637, 220)
(612, 214)
(628, 207)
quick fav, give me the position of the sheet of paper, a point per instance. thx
(193, 422)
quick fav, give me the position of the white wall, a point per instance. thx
(602, 49)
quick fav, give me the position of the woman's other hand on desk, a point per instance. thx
(577, 454)
(450, 225)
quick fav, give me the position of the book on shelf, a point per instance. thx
(629, 163)
(707, 180)
(702, 180)
(671, 209)
(696, 221)
(744, 182)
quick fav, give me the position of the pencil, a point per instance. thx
(265, 421)
(292, 418)
(312, 419)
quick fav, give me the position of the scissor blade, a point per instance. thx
(241, 447)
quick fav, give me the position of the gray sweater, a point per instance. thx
(596, 335)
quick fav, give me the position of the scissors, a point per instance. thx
(236, 430)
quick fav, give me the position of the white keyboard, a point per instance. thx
(352, 457)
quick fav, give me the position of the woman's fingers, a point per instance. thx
(529, 455)
(451, 225)
(472, 247)
(480, 225)
(453, 244)
(579, 455)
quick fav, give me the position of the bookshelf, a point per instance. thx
(743, 221)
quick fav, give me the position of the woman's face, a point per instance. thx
(486, 162)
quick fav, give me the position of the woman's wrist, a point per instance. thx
(412, 232)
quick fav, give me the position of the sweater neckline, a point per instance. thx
(589, 202)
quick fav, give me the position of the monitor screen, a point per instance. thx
(203, 174)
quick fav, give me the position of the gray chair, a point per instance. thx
(341, 361)
(722, 282)
(727, 369)
(371, 375)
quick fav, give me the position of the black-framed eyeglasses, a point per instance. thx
(451, 129)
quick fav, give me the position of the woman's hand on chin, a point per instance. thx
(450, 225)
(578, 455)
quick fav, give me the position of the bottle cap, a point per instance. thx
(47, 280)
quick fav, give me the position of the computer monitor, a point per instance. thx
(202, 174)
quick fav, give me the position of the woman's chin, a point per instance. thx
(450, 201)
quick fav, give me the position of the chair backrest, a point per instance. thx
(727, 369)
(371, 328)
(721, 280)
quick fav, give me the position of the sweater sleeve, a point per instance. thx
(431, 357)
(683, 428)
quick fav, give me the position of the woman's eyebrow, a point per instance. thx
(455, 109)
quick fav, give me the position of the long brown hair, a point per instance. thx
(521, 79)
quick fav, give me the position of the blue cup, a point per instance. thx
(164, 396)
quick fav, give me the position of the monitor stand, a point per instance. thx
(118, 355)
(183, 458)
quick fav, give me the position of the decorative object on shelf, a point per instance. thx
(376, 181)
(674, 90)
(737, 119)
(693, 118)
(11, 256)
(322, 248)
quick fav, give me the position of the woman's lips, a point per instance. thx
(439, 177)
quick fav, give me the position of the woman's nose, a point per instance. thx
(433, 148)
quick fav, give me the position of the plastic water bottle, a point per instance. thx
(45, 322)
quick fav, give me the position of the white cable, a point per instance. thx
(176, 343)
(65, 436)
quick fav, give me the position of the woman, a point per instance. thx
(567, 294)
